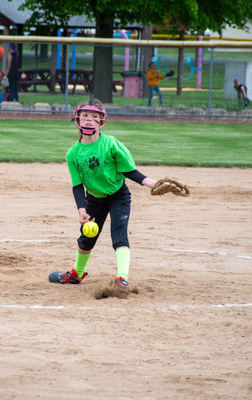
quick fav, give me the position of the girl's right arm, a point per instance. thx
(78, 189)
(83, 216)
(80, 200)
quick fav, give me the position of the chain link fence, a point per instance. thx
(57, 76)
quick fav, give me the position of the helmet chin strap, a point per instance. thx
(87, 131)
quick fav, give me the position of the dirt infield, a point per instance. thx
(186, 335)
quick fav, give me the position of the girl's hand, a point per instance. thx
(148, 182)
(83, 216)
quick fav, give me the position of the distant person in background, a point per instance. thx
(4, 84)
(241, 90)
(12, 72)
(153, 76)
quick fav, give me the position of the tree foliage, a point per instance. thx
(217, 15)
(198, 15)
(50, 13)
(58, 12)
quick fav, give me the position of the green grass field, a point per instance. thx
(188, 144)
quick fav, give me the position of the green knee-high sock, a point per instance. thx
(81, 263)
(123, 262)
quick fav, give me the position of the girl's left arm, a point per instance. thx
(148, 182)
(138, 177)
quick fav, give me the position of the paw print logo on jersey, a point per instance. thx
(93, 163)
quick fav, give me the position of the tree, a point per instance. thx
(50, 13)
(181, 15)
(108, 15)
(198, 15)
(218, 15)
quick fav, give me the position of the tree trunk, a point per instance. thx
(180, 67)
(43, 52)
(103, 60)
(43, 31)
(147, 56)
(64, 51)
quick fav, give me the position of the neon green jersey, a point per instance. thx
(99, 166)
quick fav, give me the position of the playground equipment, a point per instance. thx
(118, 33)
(58, 66)
(189, 63)
(127, 50)
(158, 61)
(58, 51)
(133, 80)
(200, 64)
(191, 67)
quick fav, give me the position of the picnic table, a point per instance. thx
(29, 79)
(76, 77)
(34, 77)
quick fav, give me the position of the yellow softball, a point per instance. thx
(90, 229)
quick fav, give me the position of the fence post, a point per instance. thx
(210, 85)
(67, 77)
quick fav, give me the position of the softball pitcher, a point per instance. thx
(98, 165)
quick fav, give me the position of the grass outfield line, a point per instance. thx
(184, 144)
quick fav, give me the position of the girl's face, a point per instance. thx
(90, 119)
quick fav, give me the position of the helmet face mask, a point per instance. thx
(89, 108)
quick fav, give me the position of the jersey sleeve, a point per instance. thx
(123, 157)
(74, 173)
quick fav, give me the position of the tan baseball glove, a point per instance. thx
(167, 185)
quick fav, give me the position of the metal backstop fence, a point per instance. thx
(196, 78)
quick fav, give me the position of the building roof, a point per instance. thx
(10, 15)
(81, 21)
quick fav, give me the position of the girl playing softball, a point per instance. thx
(98, 165)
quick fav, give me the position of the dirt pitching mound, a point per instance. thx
(110, 291)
